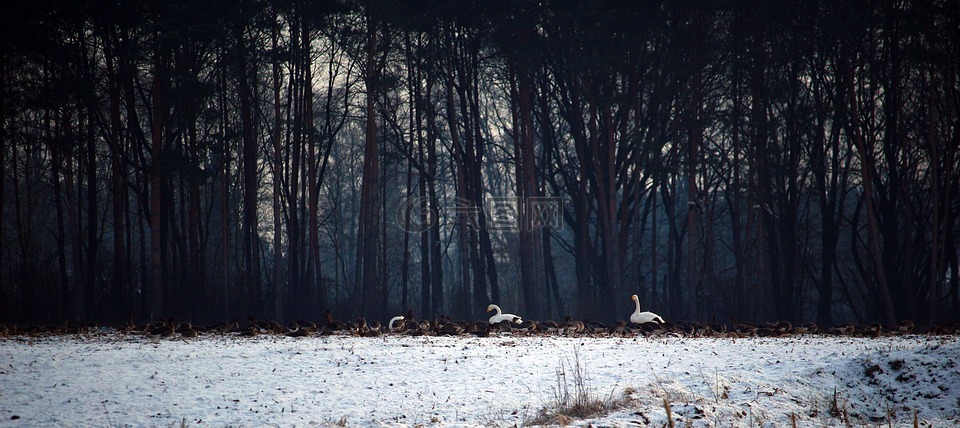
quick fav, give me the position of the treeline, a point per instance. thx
(721, 159)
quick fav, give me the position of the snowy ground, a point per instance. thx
(112, 380)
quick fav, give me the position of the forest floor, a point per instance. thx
(109, 379)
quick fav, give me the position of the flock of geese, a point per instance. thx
(642, 323)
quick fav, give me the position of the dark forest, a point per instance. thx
(219, 159)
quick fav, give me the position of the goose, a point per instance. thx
(450, 329)
(548, 326)
(843, 329)
(768, 332)
(334, 325)
(784, 327)
(232, 327)
(300, 332)
(905, 327)
(807, 328)
(643, 317)
(294, 329)
(424, 326)
(275, 327)
(527, 326)
(360, 326)
(170, 330)
(500, 316)
(479, 329)
(309, 326)
(572, 326)
(130, 326)
(504, 326)
(372, 332)
(619, 328)
(187, 330)
(396, 324)
(744, 328)
(160, 328)
(593, 327)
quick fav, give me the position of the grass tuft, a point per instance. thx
(574, 397)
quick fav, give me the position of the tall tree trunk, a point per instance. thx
(158, 100)
(119, 293)
(4, 76)
(225, 248)
(368, 282)
(56, 142)
(867, 170)
(251, 242)
(437, 303)
(313, 278)
(695, 205)
(425, 215)
(295, 96)
(278, 285)
(466, 209)
(531, 241)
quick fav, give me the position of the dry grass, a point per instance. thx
(574, 398)
(669, 412)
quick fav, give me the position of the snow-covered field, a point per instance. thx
(112, 380)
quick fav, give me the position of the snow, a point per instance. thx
(109, 379)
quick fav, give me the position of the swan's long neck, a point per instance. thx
(637, 302)
(393, 321)
(497, 308)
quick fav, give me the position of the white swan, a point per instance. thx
(499, 317)
(393, 326)
(643, 317)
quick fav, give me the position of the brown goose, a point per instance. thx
(187, 330)
(528, 326)
(130, 326)
(295, 330)
(250, 331)
(745, 328)
(368, 330)
(360, 326)
(504, 326)
(549, 327)
(806, 328)
(785, 327)
(309, 326)
(423, 327)
(844, 329)
(594, 327)
(450, 329)
(905, 327)
(300, 332)
(572, 326)
(170, 330)
(620, 328)
(275, 327)
(334, 325)
(231, 327)
(160, 327)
